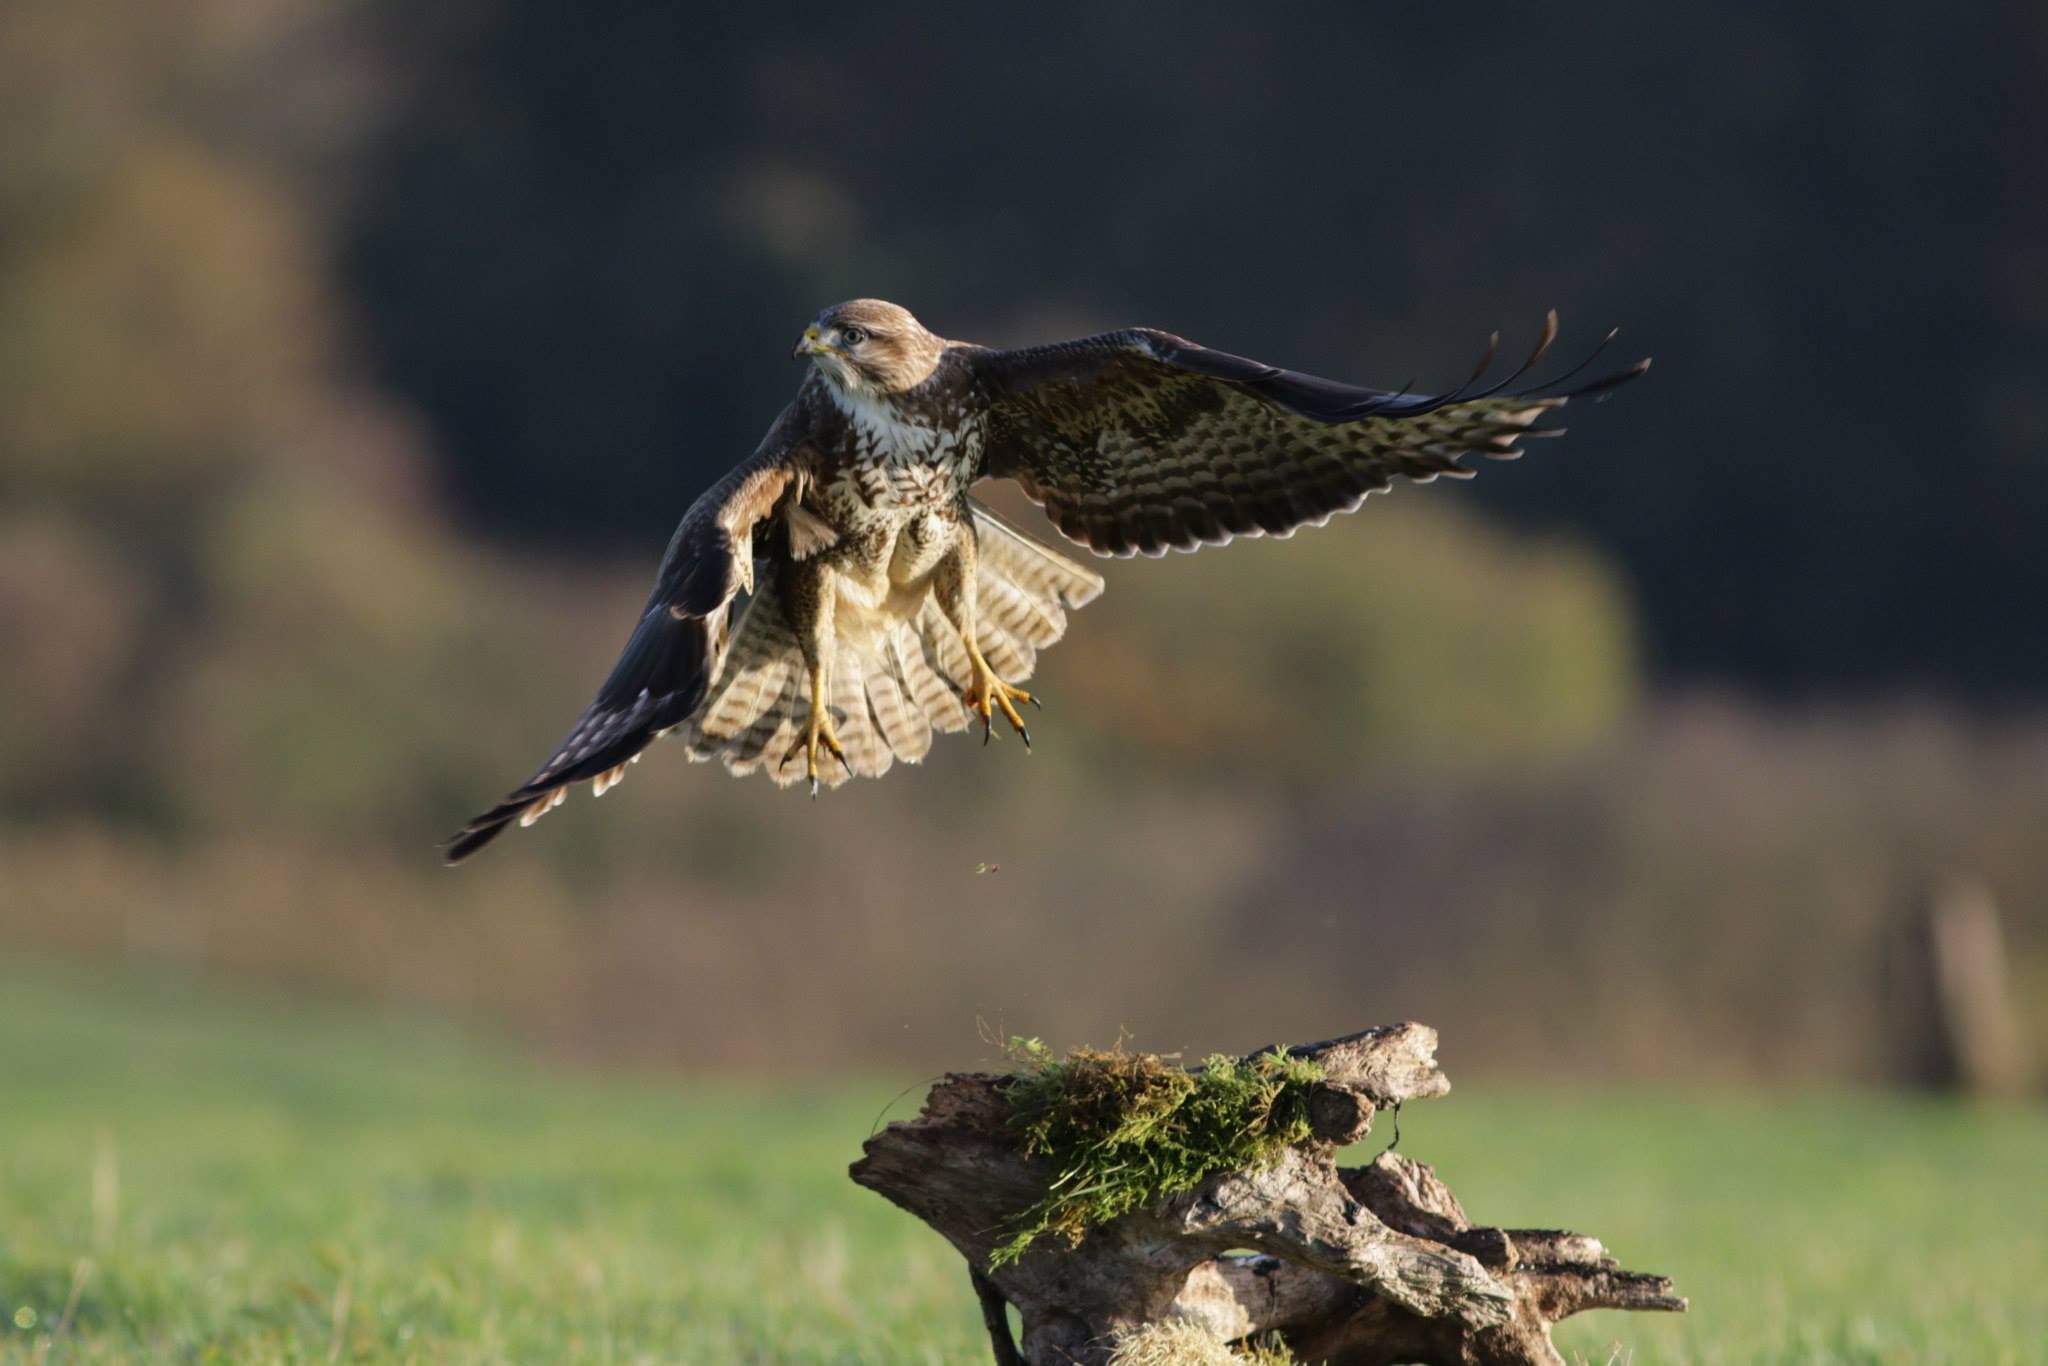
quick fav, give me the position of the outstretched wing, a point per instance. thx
(673, 652)
(1141, 441)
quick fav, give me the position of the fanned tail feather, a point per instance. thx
(867, 753)
(903, 726)
(888, 693)
(925, 685)
(1022, 562)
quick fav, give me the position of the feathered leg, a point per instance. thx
(808, 605)
(953, 586)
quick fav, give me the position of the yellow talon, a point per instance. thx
(988, 694)
(818, 733)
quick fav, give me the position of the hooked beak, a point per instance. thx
(811, 345)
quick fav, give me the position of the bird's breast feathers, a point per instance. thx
(898, 456)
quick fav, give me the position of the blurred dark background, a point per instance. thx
(590, 228)
(356, 358)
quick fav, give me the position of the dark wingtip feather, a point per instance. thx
(660, 678)
(495, 821)
(1599, 389)
(1485, 359)
(478, 833)
(1549, 336)
(1555, 387)
(1465, 393)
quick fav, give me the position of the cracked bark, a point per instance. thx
(1350, 1266)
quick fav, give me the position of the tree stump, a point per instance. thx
(1350, 1266)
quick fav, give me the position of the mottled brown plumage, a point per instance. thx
(886, 603)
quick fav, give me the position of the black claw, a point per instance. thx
(814, 787)
(988, 730)
(1027, 736)
(1033, 700)
(841, 756)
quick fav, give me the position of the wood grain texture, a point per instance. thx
(1351, 1266)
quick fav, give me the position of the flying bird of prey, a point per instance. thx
(883, 602)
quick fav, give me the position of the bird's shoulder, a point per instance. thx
(952, 394)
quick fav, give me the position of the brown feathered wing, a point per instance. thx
(1143, 442)
(675, 650)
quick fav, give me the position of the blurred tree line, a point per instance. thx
(297, 297)
(590, 230)
(232, 592)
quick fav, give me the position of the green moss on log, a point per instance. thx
(1123, 1129)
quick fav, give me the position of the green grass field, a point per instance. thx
(184, 1179)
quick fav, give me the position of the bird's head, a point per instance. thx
(867, 346)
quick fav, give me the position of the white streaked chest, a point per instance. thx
(900, 461)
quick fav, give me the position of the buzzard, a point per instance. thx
(883, 602)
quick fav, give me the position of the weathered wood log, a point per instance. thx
(1354, 1267)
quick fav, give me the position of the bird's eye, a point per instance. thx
(853, 336)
